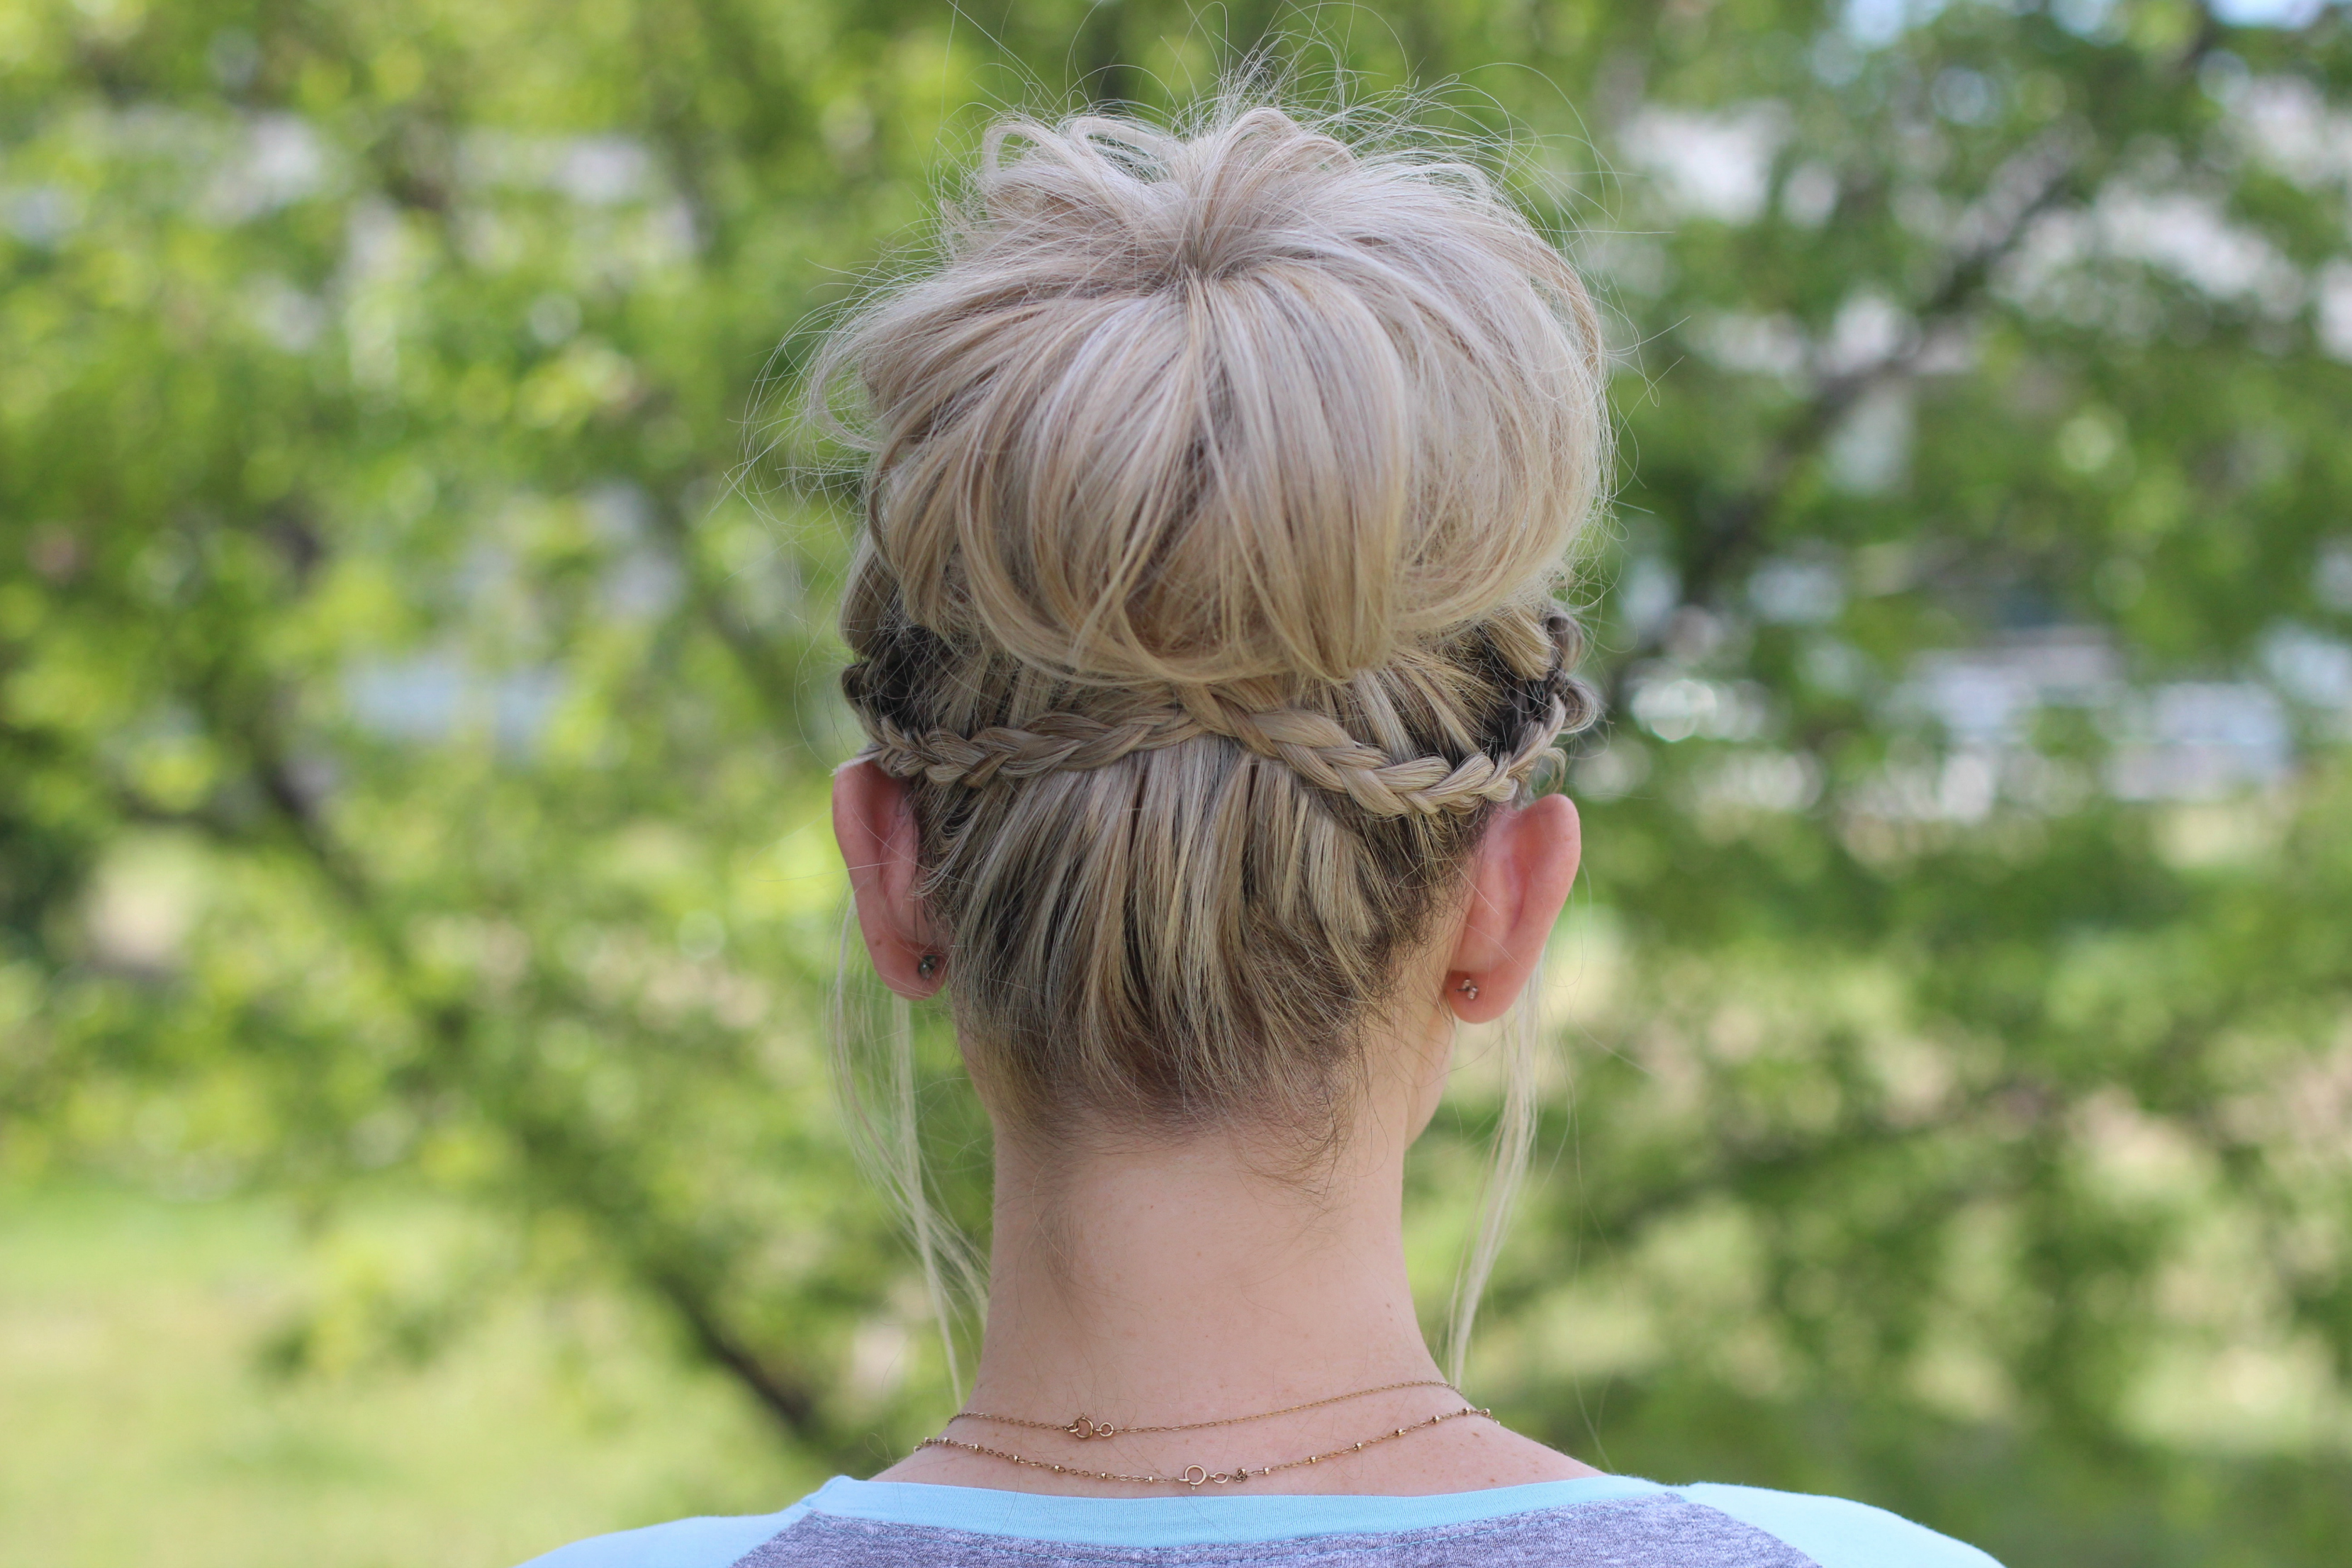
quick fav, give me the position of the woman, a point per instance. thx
(1204, 638)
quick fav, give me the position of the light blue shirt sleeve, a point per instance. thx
(707, 1542)
(1831, 1531)
(1837, 1533)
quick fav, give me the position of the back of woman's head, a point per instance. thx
(1220, 483)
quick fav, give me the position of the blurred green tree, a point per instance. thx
(415, 708)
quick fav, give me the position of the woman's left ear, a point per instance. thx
(1519, 876)
(876, 829)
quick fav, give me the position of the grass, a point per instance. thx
(139, 1423)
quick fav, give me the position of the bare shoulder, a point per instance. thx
(1462, 1457)
(1475, 1454)
(945, 1467)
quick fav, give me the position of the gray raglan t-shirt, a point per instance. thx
(1601, 1521)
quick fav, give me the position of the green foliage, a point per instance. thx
(139, 1430)
(414, 710)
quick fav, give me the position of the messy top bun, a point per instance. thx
(1219, 485)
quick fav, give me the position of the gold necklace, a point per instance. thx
(1082, 1427)
(1195, 1476)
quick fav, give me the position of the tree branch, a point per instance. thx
(454, 1022)
(2025, 186)
(789, 1402)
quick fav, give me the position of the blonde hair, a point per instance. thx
(1219, 482)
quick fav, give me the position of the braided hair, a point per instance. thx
(1219, 490)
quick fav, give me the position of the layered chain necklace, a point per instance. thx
(1086, 1429)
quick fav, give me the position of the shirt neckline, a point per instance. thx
(1197, 1521)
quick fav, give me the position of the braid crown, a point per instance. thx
(1313, 745)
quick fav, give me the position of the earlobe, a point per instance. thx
(1519, 877)
(875, 827)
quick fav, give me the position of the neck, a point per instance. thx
(1177, 1283)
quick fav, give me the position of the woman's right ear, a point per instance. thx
(875, 826)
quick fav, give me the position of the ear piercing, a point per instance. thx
(928, 965)
(1469, 988)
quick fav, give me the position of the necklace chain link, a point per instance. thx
(1083, 1428)
(1197, 1476)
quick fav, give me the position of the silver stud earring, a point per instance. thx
(928, 965)
(1468, 988)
